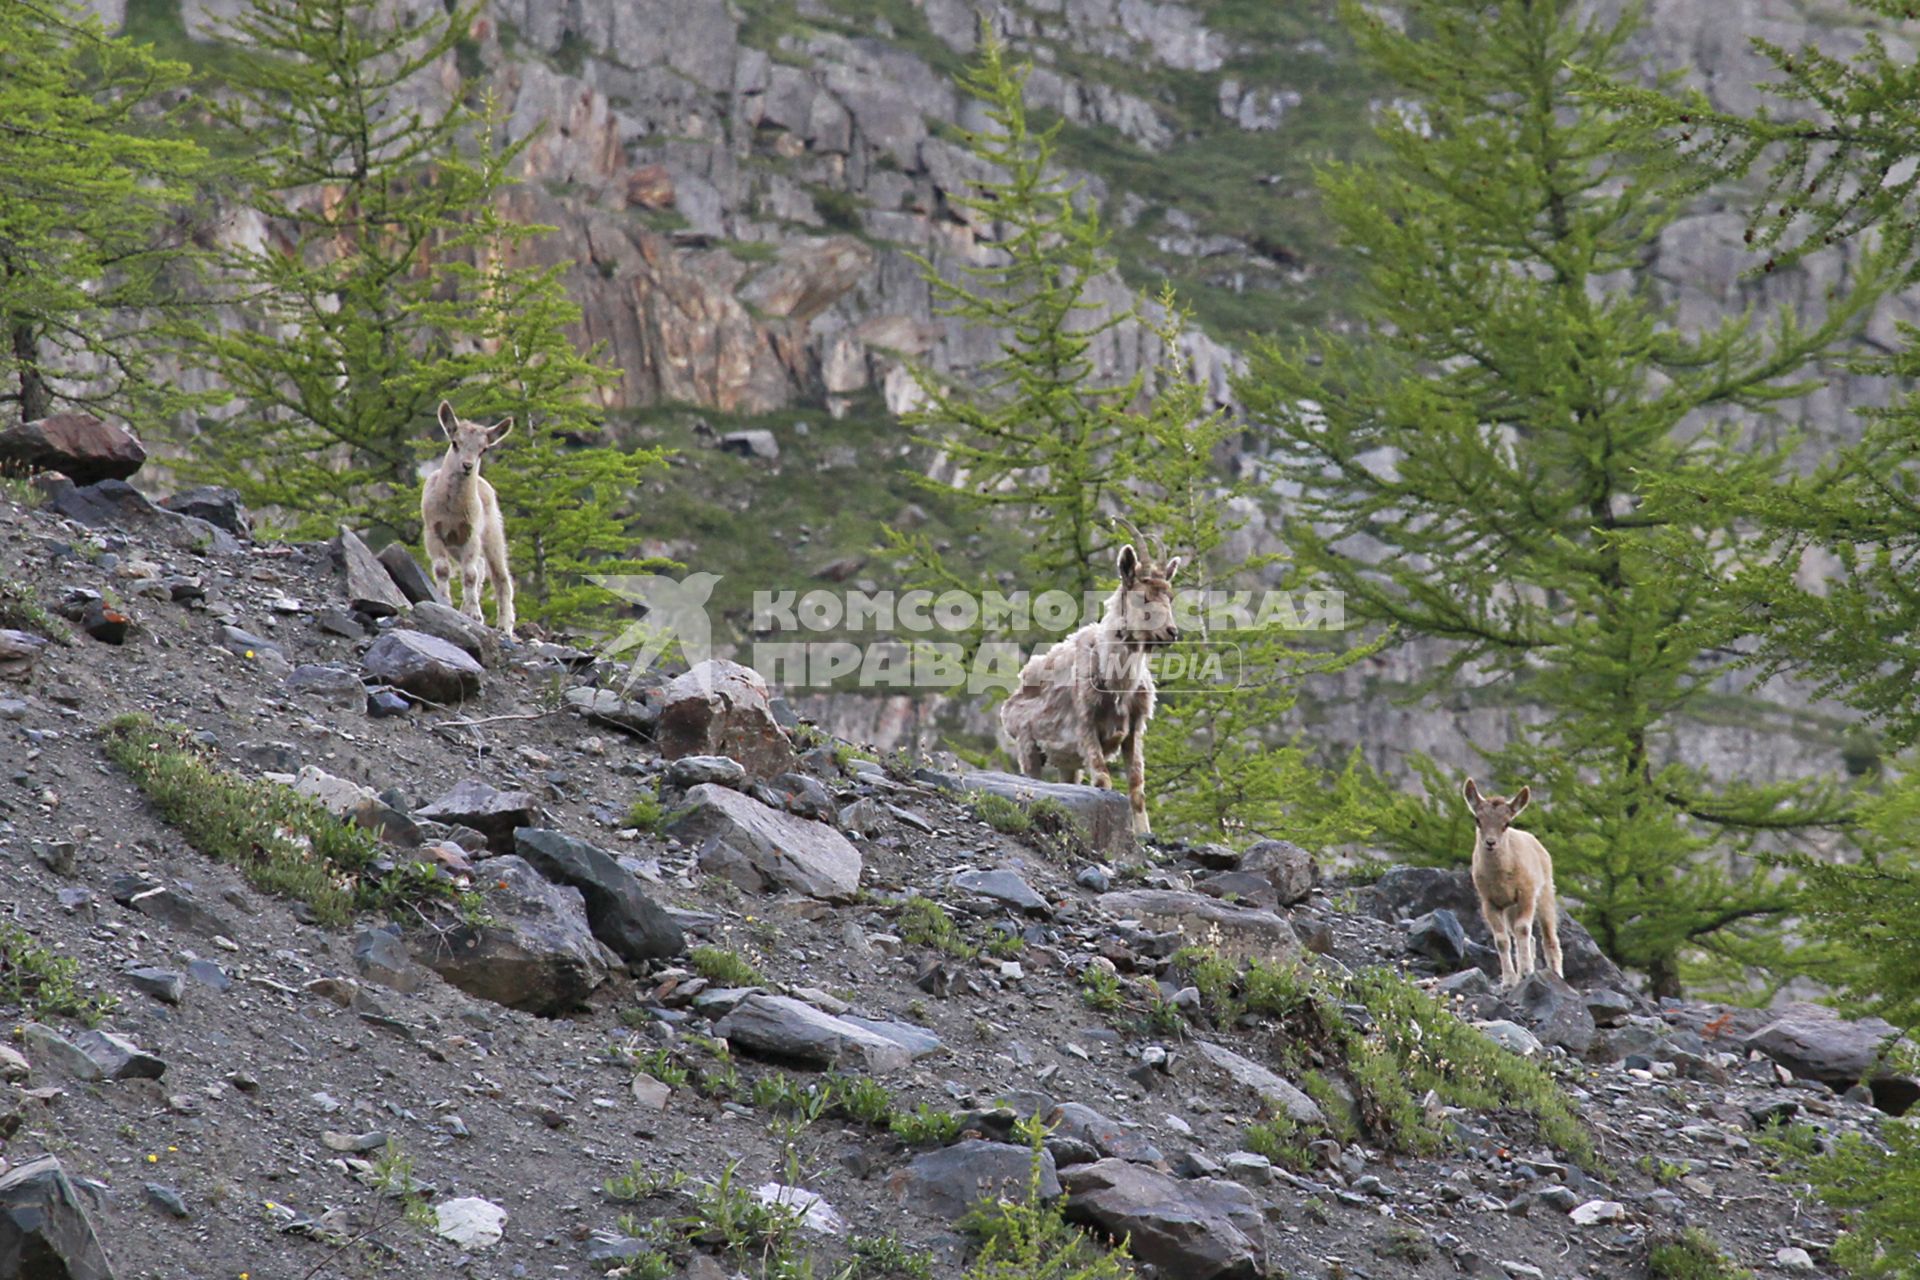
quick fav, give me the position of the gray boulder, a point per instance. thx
(721, 708)
(370, 588)
(1004, 886)
(1555, 1011)
(1077, 1121)
(1290, 869)
(1203, 1229)
(334, 686)
(217, 506)
(636, 712)
(537, 952)
(494, 813)
(631, 924)
(954, 1180)
(1276, 1091)
(380, 955)
(794, 1031)
(423, 666)
(1815, 1043)
(1104, 816)
(764, 849)
(1196, 915)
(407, 574)
(45, 1232)
(691, 771)
(471, 636)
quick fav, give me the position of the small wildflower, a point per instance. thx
(152, 1158)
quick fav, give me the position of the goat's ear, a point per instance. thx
(1129, 564)
(504, 427)
(449, 420)
(1472, 793)
(1520, 799)
(1173, 567)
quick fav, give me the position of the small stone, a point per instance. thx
(1793, 1258)
(649, 1093)
(105, 623)
(167, 1200)
(354, 1143)
(691, 771)
(166, 985)
(470, 1222)
(1597, 1211)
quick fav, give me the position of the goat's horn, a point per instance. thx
(1153, 546)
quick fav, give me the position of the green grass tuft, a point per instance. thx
(44, 985)
(717, 964)
(281, 841)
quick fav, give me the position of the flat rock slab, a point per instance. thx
(792, 1030)
(951, 1182)
(1195, 914)
(1278, 1092)
(1202, 1229)
(45, 1232)
(537, 953)
(1104, 816)
(494, 813)
(1109, 1137)
(1004, 886)
(423, 666)
(721, 708)
(762, 849)
(916, 1040)
(470, 1222)
(637, 712)
(407, 574)
(633, 925)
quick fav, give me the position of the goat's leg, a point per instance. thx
(1096, 760)
(502, 577)
(1550, 931)
(473, 572)
(1032, 759)
(1502, 943)
(1522, 934)
(443, 581)
(1136, 755)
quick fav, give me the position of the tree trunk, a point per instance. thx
(36, 397)
(1663, 977)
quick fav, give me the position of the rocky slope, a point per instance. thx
(264, 1080)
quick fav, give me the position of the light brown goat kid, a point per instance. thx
(460, 519)
(1513, 875)
(1092, 694)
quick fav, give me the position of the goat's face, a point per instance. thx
(1146, 601)
(469, 442)
(1492, 815)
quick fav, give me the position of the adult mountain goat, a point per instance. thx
(1513, 874)
(1092, 694)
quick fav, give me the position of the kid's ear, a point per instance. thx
(1520, 799)
(1129, 563)
(1472, 793)
(504, 427)
(449, 421)
(1173, 567)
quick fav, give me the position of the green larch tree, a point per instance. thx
(1470, 458)
(93, 237)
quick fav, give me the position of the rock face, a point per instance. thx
(537, 954)
(722, 709)
(45, 1232)
(1103, 815)
(78, 445)
(762, 849)
(217, 506)
(424, 666)
(794, 1031)
(632, 925)
(953, 1180)
(1406, 892)
(1203, 1229)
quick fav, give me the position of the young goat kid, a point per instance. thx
(1092, 694)
(1513, 874)
(460, 517)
